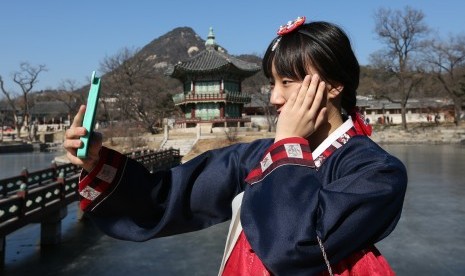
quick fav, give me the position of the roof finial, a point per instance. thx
(210, 43)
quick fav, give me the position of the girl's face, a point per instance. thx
(283, 87)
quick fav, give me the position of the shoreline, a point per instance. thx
(21, 147)
(383, 134)
(420, 134)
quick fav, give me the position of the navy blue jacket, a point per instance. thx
(352, 201)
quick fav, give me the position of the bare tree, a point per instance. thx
(402, 32)
(21, 105)
(374, 80)
(2, 123)
(447, 60)
(259, 89)
(68, 94)
(263, 101)
(231, 134)
(137, 88)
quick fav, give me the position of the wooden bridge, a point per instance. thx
(43, 196)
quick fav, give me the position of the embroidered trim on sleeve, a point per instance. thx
(89, 193)
(107, 173)
(289, 151)
(99, 182)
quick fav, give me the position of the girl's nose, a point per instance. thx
(276, 97)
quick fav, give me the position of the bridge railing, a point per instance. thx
(156, 160)
(148, 158)
(9, 186)
(30, 205)
(42, 196)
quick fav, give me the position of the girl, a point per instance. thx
(312, 201)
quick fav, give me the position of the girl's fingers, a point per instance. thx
(75, 132)
(311, 92)
(71, 155)
(318, 99)
(72, 144)
(77, 121)
(304, 90)
(291, 101)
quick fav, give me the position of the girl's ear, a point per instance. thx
(335, 91)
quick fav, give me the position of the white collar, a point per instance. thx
(348, 124)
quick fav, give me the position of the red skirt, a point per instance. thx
(367, 262)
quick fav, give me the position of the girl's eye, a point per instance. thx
(285, 82)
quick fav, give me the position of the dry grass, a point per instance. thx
(207, 144)
(122, 142)
(132, 140)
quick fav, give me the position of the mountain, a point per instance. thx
(181, 44)
(176, 45)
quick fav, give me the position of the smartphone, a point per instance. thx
(89, 115)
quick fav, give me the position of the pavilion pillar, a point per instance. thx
(221, 110)
(193, 112)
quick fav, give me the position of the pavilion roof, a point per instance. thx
(212, 61)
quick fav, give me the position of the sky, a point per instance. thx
(73, 37)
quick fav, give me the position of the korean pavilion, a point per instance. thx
(212, 91)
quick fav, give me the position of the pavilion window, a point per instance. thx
(207, 87)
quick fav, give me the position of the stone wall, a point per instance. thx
(430, 134)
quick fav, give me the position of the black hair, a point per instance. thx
(324, 46)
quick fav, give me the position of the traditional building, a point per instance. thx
(212, 87)
(381, 111)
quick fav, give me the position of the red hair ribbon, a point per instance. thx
(360, 124)
(291, 26)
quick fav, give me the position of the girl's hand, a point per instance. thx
(304, 111)
(72, 143)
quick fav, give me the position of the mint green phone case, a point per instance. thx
(89, 116)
